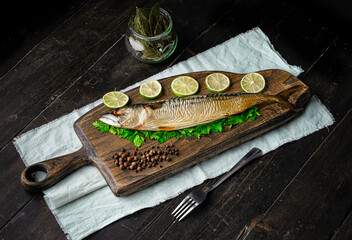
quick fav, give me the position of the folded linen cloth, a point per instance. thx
(83, 203)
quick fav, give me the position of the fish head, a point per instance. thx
(111, 120)
(125, 118)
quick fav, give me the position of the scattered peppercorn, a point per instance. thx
(137, 160)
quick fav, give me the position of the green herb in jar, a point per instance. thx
(151, 23)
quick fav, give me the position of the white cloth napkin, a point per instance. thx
(82, 203)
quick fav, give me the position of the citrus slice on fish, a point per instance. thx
(253, 83)
(115, 99)
(184, 86)
(150, 89)
(217, 82)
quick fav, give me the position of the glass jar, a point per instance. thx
(152, 49)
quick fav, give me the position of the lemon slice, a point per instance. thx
(184, 86)
(253, 83)
(150, 89)
(217, 82)
(115, 99)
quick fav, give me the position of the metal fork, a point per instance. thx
(196, 197)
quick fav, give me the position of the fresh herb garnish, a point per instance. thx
(137, 137)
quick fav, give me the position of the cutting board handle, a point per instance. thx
(55, 169)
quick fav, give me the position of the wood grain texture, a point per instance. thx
(34, 22)
(114, 68)
(100, 147)
(310, 208)
(345, 231)
(302, 35)
(66, 55)
(55, 169)
(126, 182)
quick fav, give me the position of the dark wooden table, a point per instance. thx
(58, 58)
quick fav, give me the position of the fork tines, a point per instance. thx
(184, 208)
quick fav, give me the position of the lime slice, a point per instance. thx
(253, 83)
(115, 99)
(217, 82)
(184, 86)
(150, 89)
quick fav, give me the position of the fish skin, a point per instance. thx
(180, 113)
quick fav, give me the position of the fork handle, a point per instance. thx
(251, 155)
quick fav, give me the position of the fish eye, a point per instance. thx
(118, 112)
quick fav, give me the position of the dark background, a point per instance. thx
(302, 190)
(26, 23)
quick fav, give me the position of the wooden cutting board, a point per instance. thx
(98, 148)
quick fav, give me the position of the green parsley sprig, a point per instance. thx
(137, 137)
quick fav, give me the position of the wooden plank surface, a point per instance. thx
(57, 61)
(99, 148)
(28, 23)
(95, 80)
(249, 198)
(303, 35)
(317, 200)
(345, 231)
(262, 186)
(127, 182)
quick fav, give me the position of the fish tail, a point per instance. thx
(285, 95)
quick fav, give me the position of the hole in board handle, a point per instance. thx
(37, 173)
